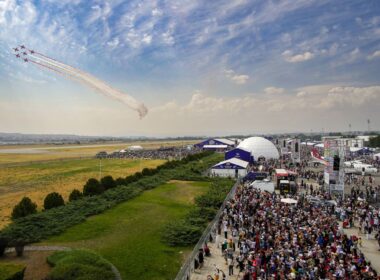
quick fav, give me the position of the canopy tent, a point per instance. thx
(289, 200)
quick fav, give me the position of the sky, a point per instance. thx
(200, 67)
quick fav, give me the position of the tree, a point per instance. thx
(374, 142)
(75, 195)
(92, 187)
(53, 200)
(120, 182)
(24, 208)
(108, 182)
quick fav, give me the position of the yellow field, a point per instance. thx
(38, 179)
(27, 153)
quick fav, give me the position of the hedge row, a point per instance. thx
(188, 230)
(44, 224)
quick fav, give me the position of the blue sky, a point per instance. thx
(201, 67)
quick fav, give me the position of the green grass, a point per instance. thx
(8, 270)
(129, 235)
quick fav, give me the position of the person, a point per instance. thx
(200, 258)
(209, 277)
(206, 249)
(230, 262)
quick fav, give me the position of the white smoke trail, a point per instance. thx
(91, 81)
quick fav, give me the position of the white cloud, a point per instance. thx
(157, 12)
(273, 90)
(289, 57)
(114, 43)
(374, 55)
(236, 78)
(99, 13)
(147, 39)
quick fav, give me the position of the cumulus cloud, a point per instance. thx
(236, 78)
(374, 55)
(289, 57)
(273, 90)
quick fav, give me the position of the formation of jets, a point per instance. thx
(22, 52)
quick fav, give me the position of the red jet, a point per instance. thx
(31, 51)
(22, 47)
(25, 53)
(25, 60)
(17, 55)
(15, 49)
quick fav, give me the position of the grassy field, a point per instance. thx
(37, 179)
(129, 234)
(21, 154)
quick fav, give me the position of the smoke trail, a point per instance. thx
(98, 84)
(89, 80)
(61, 73)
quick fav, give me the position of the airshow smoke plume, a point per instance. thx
(80, 76)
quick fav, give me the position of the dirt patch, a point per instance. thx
(36, 265)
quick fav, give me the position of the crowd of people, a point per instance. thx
(161, 153)
(268, 239)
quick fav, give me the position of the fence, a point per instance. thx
(188, 266)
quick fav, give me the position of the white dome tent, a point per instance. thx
(260, 147)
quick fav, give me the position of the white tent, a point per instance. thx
(289, 200)
(135, 148)
(259, 147)
(263, 185)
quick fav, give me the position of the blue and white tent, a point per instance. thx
(240, 154)
(215, 141)
(232, 167)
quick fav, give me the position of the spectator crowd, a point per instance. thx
(264, 238)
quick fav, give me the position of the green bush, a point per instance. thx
(75, 195)
(24, 208)
(53, 200)
(92, 187)
(10, 271)
(107, 182)
(181, 233)
(79, 264)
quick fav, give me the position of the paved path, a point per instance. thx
(216, 260)
(61, 248)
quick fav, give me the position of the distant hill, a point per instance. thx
(60, 139)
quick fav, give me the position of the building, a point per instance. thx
(232, 167)
(259, 147)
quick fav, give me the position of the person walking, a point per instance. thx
(230, 262)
